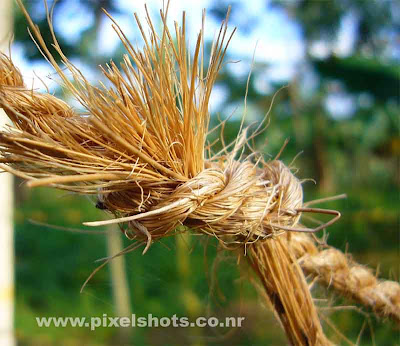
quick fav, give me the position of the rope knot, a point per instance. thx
(239, 203)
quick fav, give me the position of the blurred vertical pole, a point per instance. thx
(189, 298)
(119, 282)
(6, 209)
(120, 287)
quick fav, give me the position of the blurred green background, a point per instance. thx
(339, 61)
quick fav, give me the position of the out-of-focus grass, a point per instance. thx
(51, 266)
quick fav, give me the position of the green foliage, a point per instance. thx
(361, 74)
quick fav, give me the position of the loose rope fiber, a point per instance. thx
(140, 148)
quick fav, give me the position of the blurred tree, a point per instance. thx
(346, 122)
(321, 20)
(84, 48)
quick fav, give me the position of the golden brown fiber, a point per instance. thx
(140, 147)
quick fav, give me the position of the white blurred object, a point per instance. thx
(6, 210)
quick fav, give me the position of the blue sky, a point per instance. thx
(275, 39)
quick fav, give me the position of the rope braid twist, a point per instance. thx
(335, 269)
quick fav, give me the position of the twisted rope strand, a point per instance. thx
(335, 269)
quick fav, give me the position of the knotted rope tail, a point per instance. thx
(287, 292)
(279, 271)
(246, 207)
